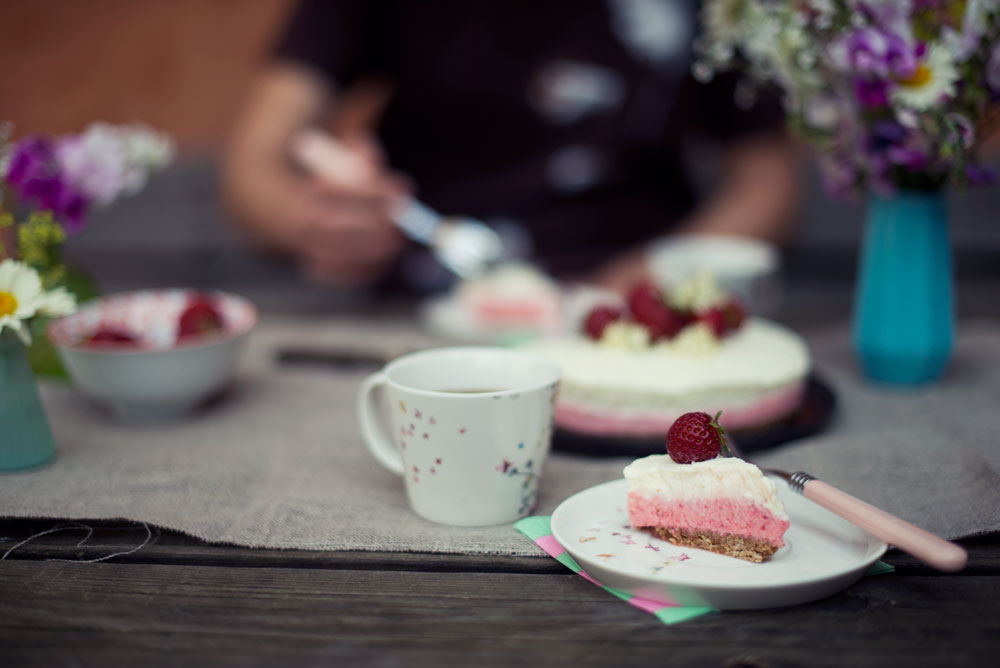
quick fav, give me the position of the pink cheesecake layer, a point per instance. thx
(720, 515)
(590, 419)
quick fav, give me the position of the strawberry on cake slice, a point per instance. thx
(694, 497)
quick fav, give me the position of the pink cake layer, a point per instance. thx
(614, 421)
(721, 515)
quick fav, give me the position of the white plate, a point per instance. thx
(823, 555)
(443, 317)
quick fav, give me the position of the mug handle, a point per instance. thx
(373, 431)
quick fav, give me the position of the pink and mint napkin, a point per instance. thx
(537, 528)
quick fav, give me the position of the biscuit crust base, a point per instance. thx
(731, 545)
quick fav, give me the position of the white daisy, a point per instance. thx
(57, 302)
(22, 298)
(20, 292)
(933, 80)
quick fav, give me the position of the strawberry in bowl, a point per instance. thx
(154, 354)
(201, 316)
(111, 336)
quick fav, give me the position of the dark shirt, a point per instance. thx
(548, 113)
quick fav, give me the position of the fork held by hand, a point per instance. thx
(934, 550)
(465, 246)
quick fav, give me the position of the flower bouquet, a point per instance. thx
(895, 97)
(892, 94)
(48, 187)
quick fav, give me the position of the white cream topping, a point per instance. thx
(695, 339)
(660, 476)
(759, 357)
(625, 336)
(698, 292)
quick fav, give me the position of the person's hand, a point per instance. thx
(295, 189)
(342, 231)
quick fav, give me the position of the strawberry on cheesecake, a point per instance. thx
(694, 497)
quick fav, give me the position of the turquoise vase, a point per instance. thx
(904, 313)
(25, 436)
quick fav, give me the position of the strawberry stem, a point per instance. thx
(721, 431)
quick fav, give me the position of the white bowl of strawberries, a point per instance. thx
(154, 354)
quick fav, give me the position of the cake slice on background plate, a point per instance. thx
(513, 296)
(695, 497)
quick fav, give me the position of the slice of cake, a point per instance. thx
(512, 297)
(691, 496)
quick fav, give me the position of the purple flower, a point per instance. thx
(889, 143)
(893, 16)
(65, 203)
(878, 53)
(871, 94)
(32, 159)
(884, 134)
(913, 159)
(35, 175)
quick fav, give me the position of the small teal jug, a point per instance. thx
(25, 436)
(904, 313)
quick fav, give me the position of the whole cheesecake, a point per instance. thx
(614, 386)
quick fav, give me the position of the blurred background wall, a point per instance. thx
(183, 66)
(179, 65)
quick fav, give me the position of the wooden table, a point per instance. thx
(179, 601)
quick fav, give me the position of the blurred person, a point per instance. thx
(571, 118)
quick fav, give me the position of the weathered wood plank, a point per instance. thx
(57, 613)
(171, 547)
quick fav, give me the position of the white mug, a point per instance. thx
(469, 429)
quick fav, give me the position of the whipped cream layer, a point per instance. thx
(660, 478)
(759, 357)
